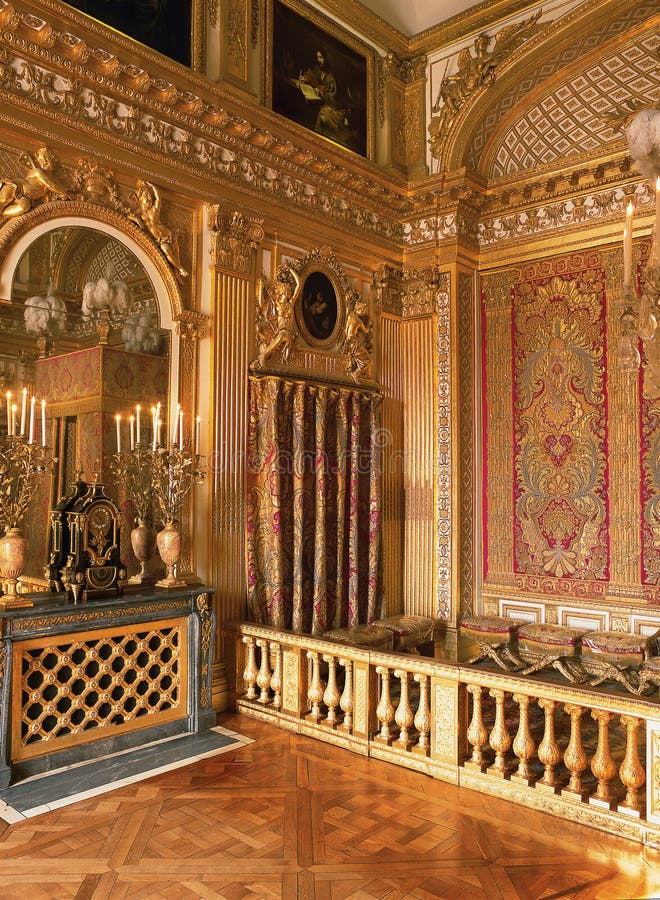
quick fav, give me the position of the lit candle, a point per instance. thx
(159, 425)
(197, 428)
(137, 423)
(13, 419)
(627, 246)
(131, 422)
(175, 429)
(657, 221)
(23, 410)
(155, 430)
(8, 412)
(180, 429)
(31, 435)
(43, 422)
(118, 420)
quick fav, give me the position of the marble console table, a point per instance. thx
(78, 681)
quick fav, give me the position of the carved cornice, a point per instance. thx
(86, 87)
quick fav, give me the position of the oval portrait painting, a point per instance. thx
(319, 310)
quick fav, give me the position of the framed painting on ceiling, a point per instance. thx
(159, 24)
(320, 76)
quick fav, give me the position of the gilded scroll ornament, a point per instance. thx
(40, 183)
(475, 68)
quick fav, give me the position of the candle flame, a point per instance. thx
(630, 207)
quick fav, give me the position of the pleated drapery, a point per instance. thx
(313, 522)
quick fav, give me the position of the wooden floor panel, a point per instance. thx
(288, 817)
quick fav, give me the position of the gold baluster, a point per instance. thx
(276, 680)
(404, 715)
(523, 744)
(549, 752)
(250, 672)
(500, 739)
(423, 716)
(346, 699)
(575, 758)
(315, 691)
(632, 772)
(384, 710)
(331, 694)
(602, 764)
(477, 734)
(263, 678)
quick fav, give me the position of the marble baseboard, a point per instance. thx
(61, 787)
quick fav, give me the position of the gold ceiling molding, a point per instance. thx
(582, 34)
(126, 94)
(573, 118)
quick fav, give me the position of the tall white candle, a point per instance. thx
(23, 410)
(175, 427)
(159, 425)
(180, 429)
(155, 431)
(627, 246)
(43, 422)
(137, 422)
(198, 422)
(118, 420)
(13, 419)
(8, 412)
(31, 435)
(131, 423)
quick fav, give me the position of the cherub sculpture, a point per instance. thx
(357, 339)
(147, 216)
(39, 184)
(275, 304)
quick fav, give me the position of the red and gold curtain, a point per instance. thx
(313, 524)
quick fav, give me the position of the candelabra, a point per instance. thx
(175, 471)
(21, 463)
(134, 471)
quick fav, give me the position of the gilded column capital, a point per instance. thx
(234, 237)
(191, 325)
(387, 290)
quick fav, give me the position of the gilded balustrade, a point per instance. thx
(568, 750)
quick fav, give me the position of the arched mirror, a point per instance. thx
(85, 322)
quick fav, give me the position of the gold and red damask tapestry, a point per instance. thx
(571, 445)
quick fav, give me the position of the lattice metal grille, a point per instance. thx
(94, 684)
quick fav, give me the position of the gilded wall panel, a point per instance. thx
(467, 462)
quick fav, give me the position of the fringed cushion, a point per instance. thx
(408, 631)
(373, 636)
(549, 639)
(619, 649)
(490, 629)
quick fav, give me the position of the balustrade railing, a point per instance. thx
(591, 755)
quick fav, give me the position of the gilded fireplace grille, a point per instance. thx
(95, 684)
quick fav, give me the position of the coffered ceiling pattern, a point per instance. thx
(577, 108)
(572, 120)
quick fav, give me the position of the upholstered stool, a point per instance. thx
(649, 674)
(495, 636)
(613, 656)
(409, 632)
(375, 637)
(550, 640)
(493, 630)
(620, 650)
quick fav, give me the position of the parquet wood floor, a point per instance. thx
(289, 817)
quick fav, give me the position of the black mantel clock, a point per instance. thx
(84, 553)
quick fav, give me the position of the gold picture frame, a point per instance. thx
(159, 31)
(320, 76)
(320, 307)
